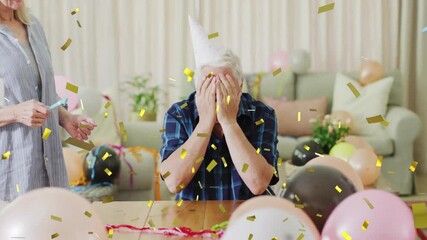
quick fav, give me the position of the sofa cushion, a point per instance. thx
(265, 84)
(287, 114)
(286, 146)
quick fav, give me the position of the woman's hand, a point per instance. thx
(79, 127)
(31, 113)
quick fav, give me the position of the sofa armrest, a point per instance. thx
(404, 125)
(145, 134)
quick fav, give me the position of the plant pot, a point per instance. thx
(147, 117)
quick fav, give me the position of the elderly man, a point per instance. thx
(219, 143)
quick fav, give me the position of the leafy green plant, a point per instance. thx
(328, 131)
(143, 96)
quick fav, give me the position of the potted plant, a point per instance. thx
(145, 100)
(329, 130)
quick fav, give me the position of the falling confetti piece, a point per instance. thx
(107, 171)
(258, 150)
(228, 99)
(46, 133)
(267, 149)
(301, 236)
(339, 124)
(189, 73)
(211, 165)
(318, 154)
(66, 44)
(5, 155)
(213, 35)
(307, 147)
(141, 113)
(299, 206)
(78, 24)
(224, 162)
(251, 218)
(203, 134)
(379, 161)
(325, 8)
(319, 215)
(221, 207)
(385, 123)
(284, 185)
(279, 161)
(110, 233)
(353, 89)
(175, 222)
(162, 130)
(346, 235)
(105, 114)
(413, 166)
(365, 225)
(313, 110)
(275, 238)
(17, 188)
(250, 236)
(179, 203)
(375, 119)
(183, 105)
(55, 218)
(275, 172)
(107, 199)
(107, 105)
(277, 71)
(193, 170)
(369, 203)
(213, 146)
(150, 203)
(75, 11)
(88, 214)
(261, 121)
(183, 153)
(106, 155)
(55, 235)
(210, 75)
(390, 172)
(167, 174)
(214, 235)
(245, 167)
(200, 185)
(199, 159)
(420, 214)
(72, 88)
(299, 116)
(217, 108)
(180, 187)
(338, 189)
(297, 198)
(286, 219)
(197, 198)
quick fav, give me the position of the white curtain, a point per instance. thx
(123, 38)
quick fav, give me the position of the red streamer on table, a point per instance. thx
(177, 231)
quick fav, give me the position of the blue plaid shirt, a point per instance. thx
(222, 183)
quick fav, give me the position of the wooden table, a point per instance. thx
(195, 215)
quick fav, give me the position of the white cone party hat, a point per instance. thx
(206, 51)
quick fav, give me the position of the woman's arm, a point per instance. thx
(7, 115)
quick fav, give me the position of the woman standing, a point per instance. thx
(26, 72)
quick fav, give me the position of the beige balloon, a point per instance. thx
(47, 212)
(370, 71)
(359, 142)
(364, 162)
(342, 166)
(74, 164)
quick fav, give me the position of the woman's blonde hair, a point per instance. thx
(22, 14)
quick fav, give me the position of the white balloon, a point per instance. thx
(92, 101)
(300, 61)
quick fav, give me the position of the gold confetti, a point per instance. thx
(319, 215)
(211, 165)
(141, 113)
(277, 71)
(339, 124)
(221, 207)
(420, 214)
(213, 35)
(297, 198)
(199, 159)
(369, 203)
(193, 170)
(122, 128)
(88, 214)
(390, 172)
(75, 11)
(81, 104)
(310, 169)
(375, 119)
(299, 206)
(228, 99)
(46, 133)
(197, 197)
(167, 174)
(379, 161)
(279, 161)
(338, 189)
(413, 166)
(180, 187)
(55, 218)
(346, 235)
(200, 185)
(313, 110)
(17, 188)
(384, 123)
(179, 203)
(151, 223)
(66, 44)
(5, 155)
(286, 219)
(325, 8)
(301, 236)
(214, 235)
(299, 116)
(183, 105)
(213, 146)
(261, 121)
(175, 222)
(105, 114)
(189, 73)
(55, 235)
(162, 130)
(251, 218)
(78, 24)
(132, 172)
(258, 150)
(250, 236)
(275, 238)
(318, 154)
(217, 108)
(365, 225)
(353, 89)
(245, 167)
(107, 105)
(107, 171)
(284, 185)
(150, 203)
(108, 199)
(203, 134)
(183, 153)
(106, 155)
(224, 162)
(72, 88)
(165, 209)
(110, 233)
(307, 148)
(210, 75)
(275, 172)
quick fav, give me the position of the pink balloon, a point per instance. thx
(342, 166)
(73, 98)
(364, 162)
(358, 142)
(389, 218)
(279, 59)
(29, 216)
